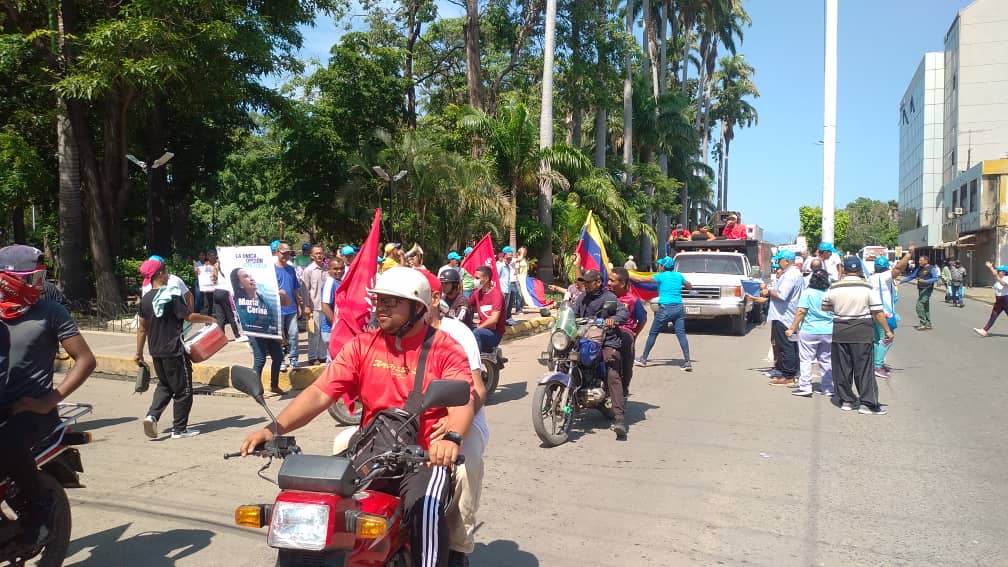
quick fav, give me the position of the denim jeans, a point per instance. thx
(957, 294)
(260, 348)
(290, 325)
(669, 313)
(486, 339)
(316, 348)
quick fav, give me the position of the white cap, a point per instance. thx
(406, 283)
(629, 257)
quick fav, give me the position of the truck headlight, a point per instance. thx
(297, 525)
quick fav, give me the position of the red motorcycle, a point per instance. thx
(325, 514)
(59, 464)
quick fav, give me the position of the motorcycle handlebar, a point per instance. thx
(415, 454)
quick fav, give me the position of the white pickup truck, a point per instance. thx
(717, 286)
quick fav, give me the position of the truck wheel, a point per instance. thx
(738, 324)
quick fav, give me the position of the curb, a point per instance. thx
(298, 379)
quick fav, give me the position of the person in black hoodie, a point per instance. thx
(592, 304)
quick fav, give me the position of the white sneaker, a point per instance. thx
(186, 433)
(868, 411)
(150, 427)
(242, 339)
(980, 332)
(847, 406)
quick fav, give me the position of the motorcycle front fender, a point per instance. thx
(558, 377)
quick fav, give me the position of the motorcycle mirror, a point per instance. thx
(610, 307)
(246, 381)
(446, 393)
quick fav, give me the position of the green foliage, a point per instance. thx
(872, 223)
(22, 172)
(810, 220)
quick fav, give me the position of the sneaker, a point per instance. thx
(773, 373)
(847, 406)
(184, 434)
(980, 332)
(150, 426)
(687, 366)
(283, 367)
(639, 362)
(277, 390)
(828, 393)
(619, 426)
(881, 372)
(802, 393)
(511, 322)
(242, 339)
(868, 411)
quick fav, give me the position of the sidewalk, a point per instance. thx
(114, 354)
(984, 294)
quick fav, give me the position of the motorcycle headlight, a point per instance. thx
(559, 341)
(297, 525)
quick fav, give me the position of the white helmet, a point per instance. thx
(406, 283)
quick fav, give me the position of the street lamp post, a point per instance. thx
(148, 171)
(390, 179)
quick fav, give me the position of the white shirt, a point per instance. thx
(1000, 290)
(172, 280)
(463, 336)
(882, 287)
(205, 277)
(831, 264)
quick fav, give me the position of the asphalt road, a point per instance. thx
(719, 467)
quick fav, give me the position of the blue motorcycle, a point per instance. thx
(576, 379)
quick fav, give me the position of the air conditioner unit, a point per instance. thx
(958, 211)
(950, 215)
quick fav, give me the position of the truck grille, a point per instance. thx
(704, 292)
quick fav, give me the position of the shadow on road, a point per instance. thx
(502, 553)
(509, 393)
(236, 422)
(591, 422)
(151, 549)
(93, 424)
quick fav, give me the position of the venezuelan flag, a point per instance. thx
(646, 290)
(592, 250)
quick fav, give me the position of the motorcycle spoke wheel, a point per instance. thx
(551, 413)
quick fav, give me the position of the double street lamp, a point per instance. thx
(390, 179)
(148, 171)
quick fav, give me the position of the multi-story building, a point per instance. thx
(920, 151)
(975, 137)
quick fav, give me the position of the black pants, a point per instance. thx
(854, 365)
(17, 437)
(174, 383)
(207, 301)
(788, 350)
(613, 380)
(425, 494)
(628, 352)
(223, 311)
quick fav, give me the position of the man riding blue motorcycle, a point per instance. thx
(592, 304)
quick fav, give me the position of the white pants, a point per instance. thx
(461, 517)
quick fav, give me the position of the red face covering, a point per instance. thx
(16, 295)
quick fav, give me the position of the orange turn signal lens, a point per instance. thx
(249, 516)
(370, 526)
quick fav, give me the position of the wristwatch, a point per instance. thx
(453, 437)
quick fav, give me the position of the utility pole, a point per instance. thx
(829, 122)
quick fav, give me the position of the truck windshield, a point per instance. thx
(712, 264)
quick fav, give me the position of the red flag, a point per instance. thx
(352, 304)
(483, 255)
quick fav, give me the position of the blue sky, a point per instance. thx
(777, 166)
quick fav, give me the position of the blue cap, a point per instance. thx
(852, 264)
(788, 255)
(667, 262)
(467, 251)
(156, 257)
(453, 255)
(775, 265)
(1002, 268)
(305, 247)
(881, 262)
(347, 250)
(507, 250)
(274, 245)
(380, 259)
(827, 247)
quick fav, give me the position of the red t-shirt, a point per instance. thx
(630, 299)
(680, 234)
(371, 369)
(736, 232)
(485, 303)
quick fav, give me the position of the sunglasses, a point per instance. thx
(33, 278)
(285, 253)
(387, 301)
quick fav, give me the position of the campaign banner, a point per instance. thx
(249, 274)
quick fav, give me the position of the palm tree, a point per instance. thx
(511, 139)
(735, 83)
(545, 141)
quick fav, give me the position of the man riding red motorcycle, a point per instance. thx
(379, 368)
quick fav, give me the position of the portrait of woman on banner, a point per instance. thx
(256, 304)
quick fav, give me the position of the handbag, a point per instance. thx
(393, 426)
(143, 377)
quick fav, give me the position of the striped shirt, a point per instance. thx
(853, 302)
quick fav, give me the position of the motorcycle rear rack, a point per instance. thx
(69, 413)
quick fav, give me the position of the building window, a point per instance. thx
(955, 195)
(962, 197)
(973, 196)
